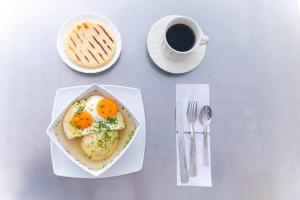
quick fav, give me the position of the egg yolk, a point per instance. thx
(82, 120)
(107, 108)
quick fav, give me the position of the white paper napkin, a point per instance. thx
(200, 93)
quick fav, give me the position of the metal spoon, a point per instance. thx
(205, 119)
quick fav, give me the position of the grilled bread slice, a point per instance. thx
(90, 44)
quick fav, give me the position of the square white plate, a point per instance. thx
(131, 161)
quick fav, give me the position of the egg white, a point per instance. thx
(99, 123)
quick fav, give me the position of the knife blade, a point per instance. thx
(181, 143)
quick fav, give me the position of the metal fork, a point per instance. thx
(192, 117)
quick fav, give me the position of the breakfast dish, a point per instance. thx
(94, 130)
(130, 162)
(90, 44)
(154, 45)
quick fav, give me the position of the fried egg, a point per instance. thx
(92, 115)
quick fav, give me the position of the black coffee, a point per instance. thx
(180, 37)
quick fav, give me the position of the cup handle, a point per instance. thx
(204, 40)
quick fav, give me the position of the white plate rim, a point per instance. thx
(77, 18)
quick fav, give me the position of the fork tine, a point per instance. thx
(196, 115)
(193, 107)
(191, 111)
(194, 110)
(188, 109)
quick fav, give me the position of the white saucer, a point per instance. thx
(130, 162)
(69, 23)
(154, 45)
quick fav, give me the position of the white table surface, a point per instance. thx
(251, 65)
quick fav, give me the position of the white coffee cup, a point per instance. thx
(200, 38)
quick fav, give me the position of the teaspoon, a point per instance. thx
(205, 119)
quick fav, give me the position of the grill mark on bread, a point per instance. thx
(106, 44)
(87, 59)
(72, 41)
(78, 37)
(106, 33)
(77, 56)
(96, 30)
(100, 45)
(74, 53)
(93, 56)
(92, 45)
(100, 55)
(108, 47)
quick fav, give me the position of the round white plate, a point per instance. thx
(87, 17)
(130, 162)
(154, 45)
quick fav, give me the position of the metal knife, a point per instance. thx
(181, 144)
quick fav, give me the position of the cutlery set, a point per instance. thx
(192, 116)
